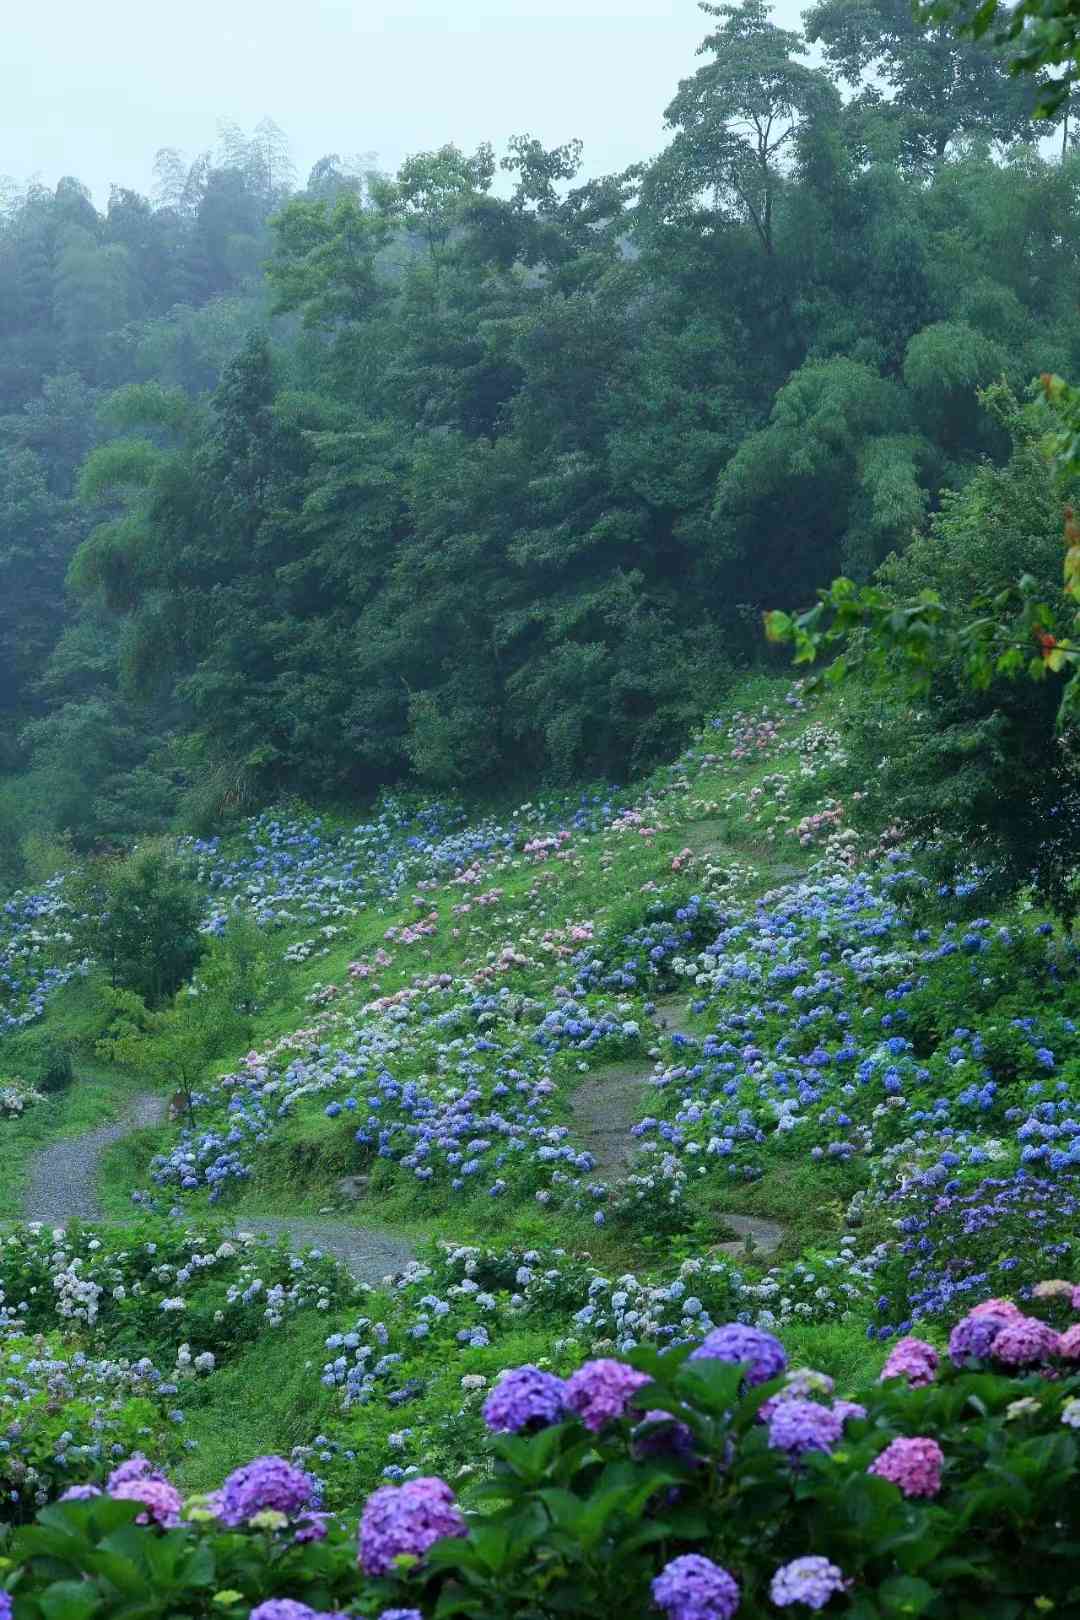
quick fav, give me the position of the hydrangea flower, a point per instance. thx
(694, 1588)
(600, 1391)
(798, 1426)
(972, 1339)
(79, 1493)
(401, 1614)
(735, 1342)
(135, 1467)
(661, 1435)
(264, 1483)
(525, 1398)
(1068, 1344)
(408, 1519)
(6, 1606)
(283, 1609)
(914, 1464)
(1024, 1342)
(161, 1500)
(811, 1580)
(912, 1359)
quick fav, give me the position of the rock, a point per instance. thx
(353, 1187)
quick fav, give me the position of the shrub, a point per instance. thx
(707, 1481)
(140, 917)
(57, 1068)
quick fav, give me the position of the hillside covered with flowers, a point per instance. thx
(736, 1157)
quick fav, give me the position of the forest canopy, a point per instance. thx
(480, 465)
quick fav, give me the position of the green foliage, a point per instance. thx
(140, 918)
(969, 760)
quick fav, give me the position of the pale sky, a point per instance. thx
(94, 87)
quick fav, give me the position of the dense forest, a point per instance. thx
(441, 474)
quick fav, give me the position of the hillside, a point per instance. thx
(612, 1070)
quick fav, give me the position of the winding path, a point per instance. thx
(607, 1105)
(63, 1187)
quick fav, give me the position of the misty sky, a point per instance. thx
(95, 89)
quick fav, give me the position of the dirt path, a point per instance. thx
(63, 1187)
(608, 1103)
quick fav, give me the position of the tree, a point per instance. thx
(937, 87)
(738, 122)
(139, 917)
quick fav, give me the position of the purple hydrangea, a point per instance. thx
(406, 1519)
(798, 1426)
(283, 1609)
(135, 1467)
(694, 1588)
(810, 1580)
(735, 1342)
(401, 1614)
(265, 1482)
(6, 1608)
(600, 1391)
(80, 1493)
(661, 1435)
(161, 1500)
(849, 1411)
(525, 1398)
(311, 1527)
(972, 1339)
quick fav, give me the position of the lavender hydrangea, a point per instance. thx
(134, 1467)
(811, 1580)
(661, 1435)
(525, 1398)
(79, 1493)
(798, 1426)
(265, 1482)
(972, 1339)
(694, 1588)
(6, 1606)
(735, 1342)
(406, 1519)
(283, 1609)
(401, 1614)
(600, 1391)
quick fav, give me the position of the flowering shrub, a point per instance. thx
(700, 1483)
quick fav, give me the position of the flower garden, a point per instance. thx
(585, 1388)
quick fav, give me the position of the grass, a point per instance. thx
(99, 1093)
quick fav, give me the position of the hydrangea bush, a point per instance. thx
(694, 1483)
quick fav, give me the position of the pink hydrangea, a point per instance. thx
(912, 1359)
(1069, 1343)
(600, 1391)
(996, 1307)
(1024, 1342)
(161, 1500)
(913, 1464)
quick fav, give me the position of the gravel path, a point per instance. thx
(607, 1104)
(63, 1177)
(63, 1187)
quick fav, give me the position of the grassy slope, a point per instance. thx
(268, 1400)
